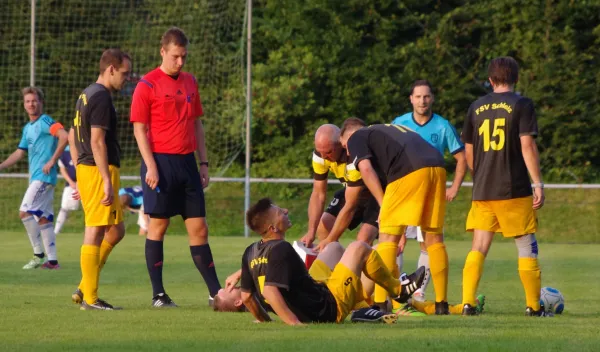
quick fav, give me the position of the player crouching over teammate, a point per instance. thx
(273, 272)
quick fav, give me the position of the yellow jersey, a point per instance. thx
(343, 171)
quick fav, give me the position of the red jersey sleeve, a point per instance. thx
(141, 102)
(197, 104)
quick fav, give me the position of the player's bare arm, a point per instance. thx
(63, 140)
(74, 157)
(98, 144)
(257, 310)
(315, 210)
(201, 152)
(532, 161)
(68, 179)
(280, 307)
(459, 175)
(140, 131)
(232, 280)
(345, 216)
(371, 179)
(13, 159)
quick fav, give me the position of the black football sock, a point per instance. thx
(154, 262)
(203, 259)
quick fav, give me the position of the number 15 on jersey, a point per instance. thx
(495, 138)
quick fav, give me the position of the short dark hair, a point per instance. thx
(174, 35)
(33, 90)
(257, 215)
(113, 57)
(352, 123)
(503, 70)
(420, 83)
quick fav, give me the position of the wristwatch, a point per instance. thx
(538, 185)
(204, 163)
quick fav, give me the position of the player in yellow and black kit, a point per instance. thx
(272, 270)
(94, 145)
(350, 206)
(414, 181)
(499, 135)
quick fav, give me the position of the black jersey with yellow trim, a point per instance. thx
(343, 171)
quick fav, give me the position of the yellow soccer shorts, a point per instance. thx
(417, 199)
(319, 271)
(511, 217)
(346, 288)
(91, 190)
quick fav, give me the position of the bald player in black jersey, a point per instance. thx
(273, 271)
(411, 171)
(499, 135)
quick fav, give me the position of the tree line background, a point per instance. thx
(318, 61)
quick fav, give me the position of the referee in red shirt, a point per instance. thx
(165, 113)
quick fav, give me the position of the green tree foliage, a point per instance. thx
(321, 61)
(318, 61)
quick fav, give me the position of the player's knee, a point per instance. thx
(527, 246)
(334, 247)
(44, 220)
(24, 214)
(358, 249)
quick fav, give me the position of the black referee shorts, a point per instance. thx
(179, 190)
(367, 211)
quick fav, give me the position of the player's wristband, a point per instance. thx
(204, 163)
(538, 185)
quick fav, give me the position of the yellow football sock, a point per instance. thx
(456, 309)
(377, 269)
(90, 271)
(438, 266)
(531, 277)
(105, 249)
(471, 274)
(396, 274)
(361, 304)
(427, 307)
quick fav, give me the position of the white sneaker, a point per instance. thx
(35, 262)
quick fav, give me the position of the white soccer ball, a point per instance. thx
(552, 300)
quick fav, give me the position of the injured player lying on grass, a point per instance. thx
(272, 273)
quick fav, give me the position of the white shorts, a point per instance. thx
(38, 200)
(68, 203)
(142, 219)
(413, 232)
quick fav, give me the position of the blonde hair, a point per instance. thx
(33, 90)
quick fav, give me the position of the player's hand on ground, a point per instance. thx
(451, 194)
(46, 169)
(322, 244)
(538, 198)
(308, 240)
(401, 245)
(152, 178)
(108, 194)
(204, 175)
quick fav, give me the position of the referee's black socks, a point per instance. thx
(203, 259)
(154, 262)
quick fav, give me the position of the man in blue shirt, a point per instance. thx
(68, 203)
(440, 133)
(132, 198)
(44, 141)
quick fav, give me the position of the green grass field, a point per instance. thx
(569, 215)
(37, 314)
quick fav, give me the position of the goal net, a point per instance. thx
(70, 36)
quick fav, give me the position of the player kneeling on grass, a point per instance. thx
(273, 271)
(132, 199)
